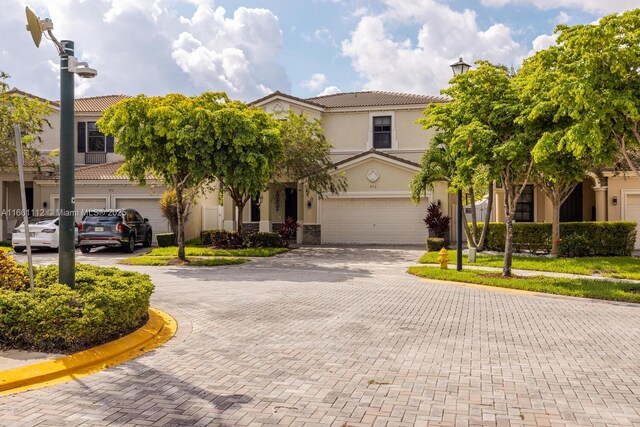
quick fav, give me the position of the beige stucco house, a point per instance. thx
(377, 145)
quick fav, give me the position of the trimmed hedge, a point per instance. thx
(577, 239)
(231, 240)
(434, 244)
(166, 239)
(107, 303)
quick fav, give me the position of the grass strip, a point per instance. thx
(618, 267)
(172, 251)
(585, 288)
(170, 260)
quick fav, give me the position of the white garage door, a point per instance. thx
(148, 208)
(373, 221)
(632, 213)
(84, 204)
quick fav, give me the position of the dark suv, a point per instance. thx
(113, 227)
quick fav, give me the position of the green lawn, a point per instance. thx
(617, 267)
(172, 251)
(170, 260)
(585, 288)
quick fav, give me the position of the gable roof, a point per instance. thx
(16, 91)
(96, 104)
(375, 152)
(373, 99)
(286, 96)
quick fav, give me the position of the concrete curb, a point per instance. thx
(159, 329)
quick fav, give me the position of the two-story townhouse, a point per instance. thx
(377, 145)
(97, 185)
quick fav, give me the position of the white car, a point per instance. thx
(43, 231)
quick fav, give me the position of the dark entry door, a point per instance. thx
(571, 209)
(291, 203)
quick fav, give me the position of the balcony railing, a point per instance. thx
(95, 158)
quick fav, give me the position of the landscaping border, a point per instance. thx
(159, 329)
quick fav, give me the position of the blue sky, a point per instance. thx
(304, 47)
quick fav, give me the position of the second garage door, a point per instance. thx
(632, 213)
(148, 208)
(394, 221)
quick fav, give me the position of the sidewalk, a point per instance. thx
(10, 359)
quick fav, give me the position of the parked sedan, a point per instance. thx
(114, 228)
(43, 232)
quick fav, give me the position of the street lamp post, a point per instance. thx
(459, 67)
(69, 66)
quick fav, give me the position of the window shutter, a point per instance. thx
(110, 142)
(82, 137)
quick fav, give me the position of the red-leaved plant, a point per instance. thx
(437, 224)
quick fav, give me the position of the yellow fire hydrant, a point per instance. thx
(443, 258)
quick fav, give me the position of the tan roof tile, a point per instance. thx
(96, 104)
(373, 99)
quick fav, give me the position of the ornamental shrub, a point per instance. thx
(437, 224)
(107, 303)
(223, 239)
(434, 244)
(576, 238)
(12, 276)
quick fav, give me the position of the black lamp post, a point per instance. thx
(459, 67)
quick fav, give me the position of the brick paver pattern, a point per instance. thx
(344, 337)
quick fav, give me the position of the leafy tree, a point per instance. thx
(167, 137)
(438, 164)
(306, 155)
(31, 115)
(597, 86)
(480, 132)
(248, 151)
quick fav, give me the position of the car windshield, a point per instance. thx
(109, 217)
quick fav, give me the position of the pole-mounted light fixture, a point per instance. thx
(459, 67)
(69, 66)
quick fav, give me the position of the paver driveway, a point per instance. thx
(344, 337)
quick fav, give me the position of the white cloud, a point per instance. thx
(594, 6)
(543, 41)
(562, 18)
(316, 81)
(235, 54)
(150, 8)
(330, 90)
(422, 66)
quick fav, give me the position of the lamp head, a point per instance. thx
(460, 67)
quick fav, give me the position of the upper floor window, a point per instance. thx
(91, 140)
(382, 132)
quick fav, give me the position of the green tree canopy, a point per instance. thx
(591, 78)
(307, 155)
(168, 137)
(248, 151)
(479, 130)
(28, 113)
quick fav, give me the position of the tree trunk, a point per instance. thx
(240, 207)
(180, 236)
(474, 219)
(471, 242)
(487, 219)
(555, 224)
(508, 246)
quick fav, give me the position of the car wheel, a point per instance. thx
(85, 249)
(18, 249)
(132, 244)
(148, 239)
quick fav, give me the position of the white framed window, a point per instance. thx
(382, 132)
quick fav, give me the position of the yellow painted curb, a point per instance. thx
(159, 329)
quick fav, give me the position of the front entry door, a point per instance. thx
(291, 203)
